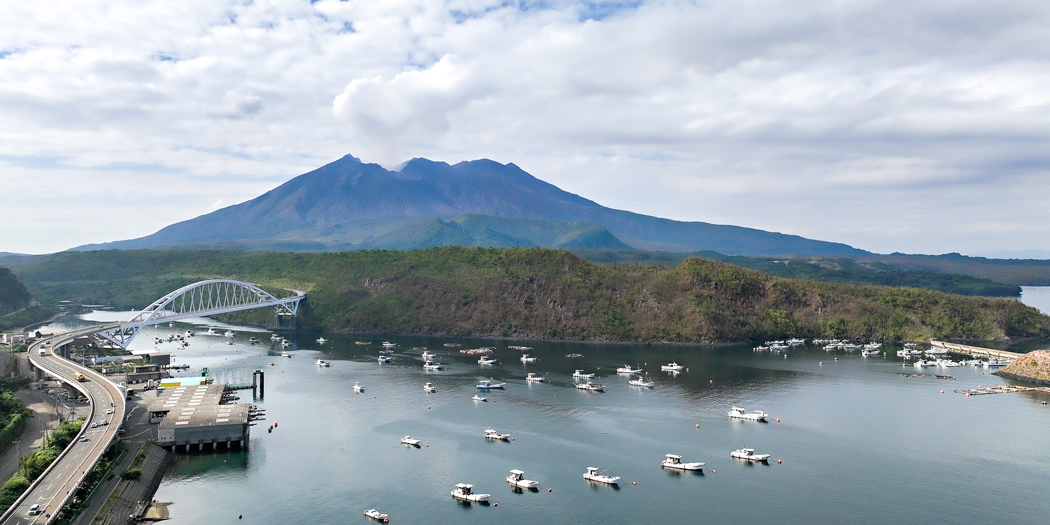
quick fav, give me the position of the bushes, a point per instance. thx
(131, 473)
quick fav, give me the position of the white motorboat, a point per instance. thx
(429, 388)
(358, 388)
(796, 342)
(486, 361)
(946, 363)
(285, 354)
(253, 341)
(778, 348)
(591, 387)
(229, 333)
(383, 360)
(748, 454)
(189, 333)
(465, 492)
(675, 367)
(579, 374)
(520, 347)
(641, 382)
(486, 384)
(388, 344)
(923, 362)
(761, 348)
(936, 350)
(428, 355)
(227, 342)
(378, 516)
(849, 346)
(407, 440)
(322, 362)
(626, 369)
(996, 362)
(478, 398)
(526, 359)
(517, 478)
(909, 353)
(211, 331)
(492, 434)
(275, 337)
(870, 353)
(873, 346)
(595, 474)
(756, 415)
(322, 340)
(286, 344)
(675, 461)
(533, 378)
(433, 366)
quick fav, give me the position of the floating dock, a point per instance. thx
(1002, 390)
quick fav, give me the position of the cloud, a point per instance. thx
(865, 122)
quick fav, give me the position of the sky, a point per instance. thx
(892, 126)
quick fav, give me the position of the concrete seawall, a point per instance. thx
(131, 497)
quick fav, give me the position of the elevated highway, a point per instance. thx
(53, 489)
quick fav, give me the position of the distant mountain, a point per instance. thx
(352, 205)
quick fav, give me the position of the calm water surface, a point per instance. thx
(859, 443)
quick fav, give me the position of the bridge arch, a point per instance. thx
(201, 299)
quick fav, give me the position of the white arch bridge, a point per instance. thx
(201, 299)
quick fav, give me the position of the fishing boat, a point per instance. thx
(465, 492)
(492, 434)
(388, 344)
(533, 378)
(591, 387)
(870, 352)
(189, 333)
(526, 359)
(674, 461)
(739, 413)
(478, 398)
(486, 384)
(626, 369)
(641, 382)
(285, 354)
(378, 516)
(429, 388)
(484, 361)
(748, 454)
(383, 360)
(275, 337)
(322, 363)
(286, 343)
(596, 475)
(796, 342)
(517, 478)
(672, 367)
(229, 333)
(579, 374)
(427, 355)
(253, 341)
(211, 331)
(433, 366)
(322, 340)
(358, 388)
(407, 440)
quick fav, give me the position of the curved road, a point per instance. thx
(59, 483)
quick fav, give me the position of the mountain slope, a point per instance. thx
(339, 205)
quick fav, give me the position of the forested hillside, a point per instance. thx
(13, 294)
(541, 293)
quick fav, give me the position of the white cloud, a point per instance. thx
(888, 125)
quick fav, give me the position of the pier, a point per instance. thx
(1001, 390)
(975, 351)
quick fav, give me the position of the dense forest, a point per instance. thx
(544, 293)
(832, 270)
(13, 294)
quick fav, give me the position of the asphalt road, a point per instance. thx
(59, 483)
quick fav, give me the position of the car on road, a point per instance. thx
(35, 509)
(109, 410)
(85, 439)
(94, 425)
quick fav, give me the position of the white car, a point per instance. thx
(85, 439)
(109, 410)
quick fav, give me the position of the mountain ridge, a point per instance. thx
(338, 205)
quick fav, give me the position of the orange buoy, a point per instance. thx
(548, 490)
(778, 420)
(495, 504)
(607, 433)
(713, 471)
(779, 461)
(698, 425)
(942, 391)
(275, 425)
(634, 483)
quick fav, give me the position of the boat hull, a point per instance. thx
(683, 466)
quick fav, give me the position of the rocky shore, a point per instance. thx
(1033, 367)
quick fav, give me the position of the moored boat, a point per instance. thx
(486, 361)
(674, 461)
(358, 388)
(322, 363)
(517, 478)
(579, 374)
(492, 434)
(322, 340)
(429, 388)
(533, 378)
(526, 359)
(378, 516)
(408, 440)
(595, 474)
(383, 359)
(465, 492)
(478, 398)
(591, 387)
(748, 454)
(486, 384)
(626, 369)
(433, 366)
(641, 382)
(671, 367)
(756, 415)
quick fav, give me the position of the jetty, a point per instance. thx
(975, 351)
(1004, 389)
